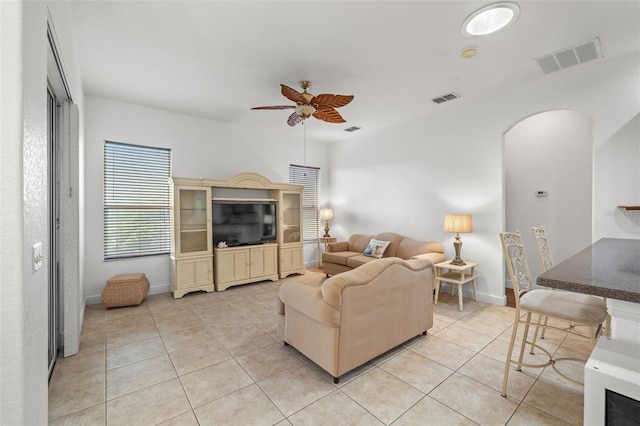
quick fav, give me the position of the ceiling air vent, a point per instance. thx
(352, 129)
(571, 56)
(445, 98)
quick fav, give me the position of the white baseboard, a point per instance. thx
(486, 297)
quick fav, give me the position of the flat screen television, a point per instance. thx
(241, 223)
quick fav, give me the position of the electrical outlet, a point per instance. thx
(37, 256)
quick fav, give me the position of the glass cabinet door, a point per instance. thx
(291, 218)
(194, 220)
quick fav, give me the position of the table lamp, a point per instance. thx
(458, 223)
(326, 215)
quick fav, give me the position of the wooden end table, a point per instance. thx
(455, 274)
(325, 241)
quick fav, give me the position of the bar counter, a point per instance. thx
(609, 268)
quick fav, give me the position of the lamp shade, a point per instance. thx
(326, 214)
(458, 223)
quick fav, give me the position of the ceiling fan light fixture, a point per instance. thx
(305, 111)
(490, 19)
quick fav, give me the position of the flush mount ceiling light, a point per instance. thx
(490, 19)
(469, 52)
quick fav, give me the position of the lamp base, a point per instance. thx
(326, 230)
(457, 245)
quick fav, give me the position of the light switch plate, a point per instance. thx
(37, 256)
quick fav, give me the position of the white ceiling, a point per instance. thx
(216, 59)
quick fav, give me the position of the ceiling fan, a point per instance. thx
(321, 107)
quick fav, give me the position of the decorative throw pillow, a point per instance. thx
(376, 248)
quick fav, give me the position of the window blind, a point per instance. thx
(309, 177)
(136, 200)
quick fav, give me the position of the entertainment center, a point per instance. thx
(231, 232)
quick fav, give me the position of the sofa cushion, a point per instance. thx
(409, 248)
(376, 248)
(340, 257)
(359, 242)
(360, 259)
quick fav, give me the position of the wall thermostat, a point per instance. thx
(541, 193)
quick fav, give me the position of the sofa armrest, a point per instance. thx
(433, 257)
(339, 246)
(308, 300)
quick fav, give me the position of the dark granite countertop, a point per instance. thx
(610, 268)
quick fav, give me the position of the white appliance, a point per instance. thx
(612, 384)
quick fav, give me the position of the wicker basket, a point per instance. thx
(125, 290)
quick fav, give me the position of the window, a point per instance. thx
(309, 177)
(136, 200)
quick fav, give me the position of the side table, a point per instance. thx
(455, 274)
(325, 240)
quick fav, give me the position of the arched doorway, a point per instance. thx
(548, 181)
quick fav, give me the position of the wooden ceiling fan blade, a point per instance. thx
(329, 115)
(294, 119)
(335, 101)
(293, 95)
(275, 107)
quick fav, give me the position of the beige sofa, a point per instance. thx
(355, 316)
(346, 255)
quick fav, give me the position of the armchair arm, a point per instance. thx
(339, 246)
(308, 300)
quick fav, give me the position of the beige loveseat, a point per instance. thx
(353, 317)
(346, 255)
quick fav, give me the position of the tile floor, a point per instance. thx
(214, 358)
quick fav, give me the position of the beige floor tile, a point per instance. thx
(186, 419)
(187, 337)
(163, 301)
(139, 375)
(133, 352)
(443, 352)
(438, 324)
(93, 340)
(197, 357)
(94, 313)
(382, 394)
(498, 351)
(527, 416)
(295, 388)
(569, 367)
(126, 311)
(461, 336)
(215, 381)
(430, 411)
(131, 334)
(233, 409)
(178, 322)
(78, 366)
(245, 341)
(91, 416)
(133, 320)
(557, 400)
(334, 409)
(490, 372)
(76, 395)
(162, 312)
(148, 406)
(392, 353)
(267, 361)
(485, 323)
(417, 370)
(244, 317)
(474, 400)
